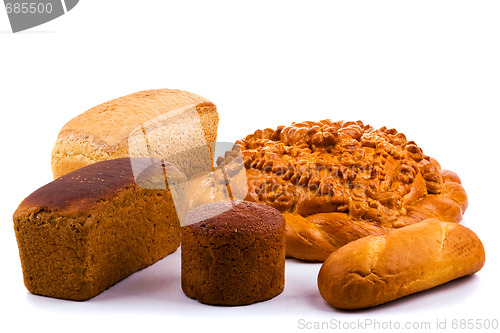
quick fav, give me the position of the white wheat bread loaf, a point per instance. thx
(155, 123)
(378, 269)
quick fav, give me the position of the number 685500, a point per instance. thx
(28, 8)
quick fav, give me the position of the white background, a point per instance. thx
(430, 69)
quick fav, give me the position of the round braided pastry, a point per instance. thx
(335, 182)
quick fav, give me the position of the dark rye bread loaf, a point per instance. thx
(234, 253)
(87, 230)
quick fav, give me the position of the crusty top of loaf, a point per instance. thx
(128, 112)
(344, 166)
(240, 216)
(78, 191)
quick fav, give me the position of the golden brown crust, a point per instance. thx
(315, 237)
(377, 269)
(367, 181)
(102, 132)
(101, 122)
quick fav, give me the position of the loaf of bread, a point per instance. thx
(339, 181)
(87, 230)
(233, 253)
(173, 125)
(377, 269)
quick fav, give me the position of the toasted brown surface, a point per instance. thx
(235, 258)
(102, 132)
(79, 190)
(377, 269)
(223, 217)
(82, 233)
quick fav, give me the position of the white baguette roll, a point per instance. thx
(378, 269)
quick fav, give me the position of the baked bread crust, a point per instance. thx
(336, 182)
(87, 230)
(102, 132)
(378, 269)
(235, 255)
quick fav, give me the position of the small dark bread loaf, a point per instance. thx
(87, 230)
(235, 255)
(378, 269)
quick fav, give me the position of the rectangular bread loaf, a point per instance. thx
(87, 230)
(161, 123)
